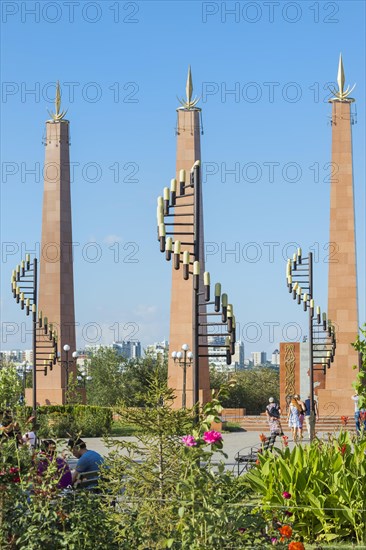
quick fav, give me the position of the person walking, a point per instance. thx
(293, 418)
(308, 411)
(302, 409)
(273, 413)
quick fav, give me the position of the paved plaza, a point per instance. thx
(233, 442)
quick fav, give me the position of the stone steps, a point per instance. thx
(259, 423)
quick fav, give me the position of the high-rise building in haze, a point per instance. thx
(258, 358)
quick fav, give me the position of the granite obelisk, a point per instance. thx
(342, 276)
(56, 286)
(181, 310)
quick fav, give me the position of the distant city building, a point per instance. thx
(11, 356)
(238, 358)
(275, 358)
(218, 362)
(259, 358)
(27, 355)
(129, 349)
(158, 349)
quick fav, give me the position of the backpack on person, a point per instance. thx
(273, 411)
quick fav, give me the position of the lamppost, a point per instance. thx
(83, 377)
(24, 286)
(322, 341)
(182, 361)
(66, 365)
(26, 368)
(167, 207)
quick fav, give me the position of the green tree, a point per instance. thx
(115, 379)
(137, 376)
(10, 387)
(252, 389)
(105, 368)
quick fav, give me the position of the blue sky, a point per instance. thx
(121, 66)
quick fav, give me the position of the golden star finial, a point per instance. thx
(189, 103)
(341, 94)
(58, 115)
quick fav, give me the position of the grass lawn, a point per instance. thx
(119, 429)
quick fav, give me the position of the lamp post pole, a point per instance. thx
(311, 349)
(196, 229)
(66, 363)
(177, 355)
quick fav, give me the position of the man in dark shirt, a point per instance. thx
(307, 413)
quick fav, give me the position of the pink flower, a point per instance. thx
(212, 437)
(285, 494)
(189, 441)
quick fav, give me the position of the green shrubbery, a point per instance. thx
(324, 486)
(169, 489)
(61, 420)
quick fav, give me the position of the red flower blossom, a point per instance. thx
(344, 420)
(343, 449)
(285, 531)
(296, 546)
(285, 440)
(263, 438)
(285, 494)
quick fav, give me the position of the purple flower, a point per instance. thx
(273, 540)
(189, 441)
(285, 494)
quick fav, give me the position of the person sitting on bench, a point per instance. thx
(88, 461)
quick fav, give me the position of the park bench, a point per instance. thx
(244, 461)
(88, 480)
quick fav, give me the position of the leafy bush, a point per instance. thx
(61, 420)
(326, 484)
(252, 388)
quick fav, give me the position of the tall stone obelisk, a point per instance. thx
(56, 285)
(181, 309)
(342, 276)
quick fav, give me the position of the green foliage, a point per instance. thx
(252, 389)
(170, 495)
(105, 367)
(73, 395)
(115, 379)
(327, 484)
(360, 383)
(61, 420)
(10, 387)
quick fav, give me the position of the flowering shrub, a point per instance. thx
(212, 437)
(326, 484)
(189, 441)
